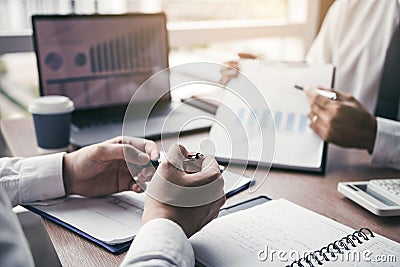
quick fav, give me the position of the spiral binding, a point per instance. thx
(339, 246)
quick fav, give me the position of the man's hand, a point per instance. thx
(344, 121)
(191, 219)
(102, 169)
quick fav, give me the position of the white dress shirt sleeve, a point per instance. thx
(160, 242)
(387, 143)
(14, 249)
(30, 179)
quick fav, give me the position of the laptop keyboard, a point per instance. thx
(100, 122)
(110, 117)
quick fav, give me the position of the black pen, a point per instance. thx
(191, 158)
(191, 164)
(328, 94)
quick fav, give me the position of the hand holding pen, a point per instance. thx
(189, 199)
(340, 119)
(320, 91)
(191, 164)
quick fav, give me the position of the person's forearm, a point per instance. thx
(160, 242)
(31, 179)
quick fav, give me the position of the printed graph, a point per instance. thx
(284, 122)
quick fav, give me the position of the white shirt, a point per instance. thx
(160, 242)
(354, 38)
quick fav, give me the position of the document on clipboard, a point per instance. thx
(120, 213)
(297, 147)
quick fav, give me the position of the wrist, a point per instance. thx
(66, 172)
(372, 135)
(152, 213)
(155, 213)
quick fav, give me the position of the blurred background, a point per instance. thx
(199, 30)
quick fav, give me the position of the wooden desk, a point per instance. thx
(315, 192)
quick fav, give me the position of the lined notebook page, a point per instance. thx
(279, 225)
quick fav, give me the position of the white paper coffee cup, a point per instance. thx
(52, 120)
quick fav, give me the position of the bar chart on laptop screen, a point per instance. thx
(99, 61)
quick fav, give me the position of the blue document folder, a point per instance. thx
(121, 247)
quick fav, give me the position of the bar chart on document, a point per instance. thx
(96, 60)
(296, 145)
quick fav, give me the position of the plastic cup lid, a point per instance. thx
(53, 104)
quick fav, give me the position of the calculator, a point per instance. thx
(379, 196)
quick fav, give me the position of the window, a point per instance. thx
(212, 20)
(217, 30)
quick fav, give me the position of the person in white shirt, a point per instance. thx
(354, 37)
(101, 170)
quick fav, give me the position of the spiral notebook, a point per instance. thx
(281, 233)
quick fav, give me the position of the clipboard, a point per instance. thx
(264, 121)
(120, 248)
(238, 185)
(115, 249)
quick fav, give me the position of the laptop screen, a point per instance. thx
(100, 60)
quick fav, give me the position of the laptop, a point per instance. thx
(100, 62)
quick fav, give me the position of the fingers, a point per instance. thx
(317, 110)
(151, 149)
(140, 180)
(208, 174)
(229, 65)
(176, 155)
(144, 145)
(149, 171)
(147, 146)
(316, 99)
(133, 150)
(319, 130)
(340, 96)
(229, 71)
(109, 152)
(136, 184)
(136, 188)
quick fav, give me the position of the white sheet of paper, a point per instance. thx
(113, 219)
(237, 238)
(296, 145)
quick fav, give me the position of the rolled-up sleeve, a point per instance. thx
(30, 179)
(387, 143)
(160, 242)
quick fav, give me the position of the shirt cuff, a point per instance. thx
(387, 143)
(41, 178)
(160, 242)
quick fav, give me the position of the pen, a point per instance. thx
(154, 163)
(325, 93)
(190, 158)
(191, 164)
